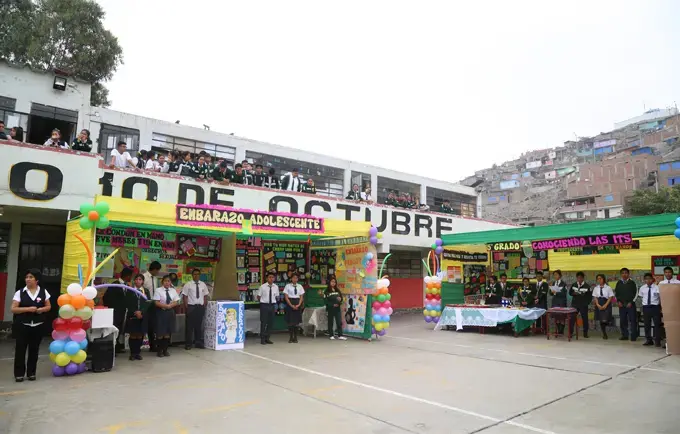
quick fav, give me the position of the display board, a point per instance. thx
(517, 259)
(284, 259)
(322, 265)
(661, 262)
(248, 267)
(197, 247)
(350, 270)
(474, 278)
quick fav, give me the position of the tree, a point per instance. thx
(67, 35)
(647, 202)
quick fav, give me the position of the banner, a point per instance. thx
(465, 256)
(134, 238)
(220, 216)
(594, 240)
(354, 313)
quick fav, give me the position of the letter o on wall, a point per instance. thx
(17, 181)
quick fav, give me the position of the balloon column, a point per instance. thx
(374, 235)
(677, 231)
(433, 285)
(67, 351)
(382, 306)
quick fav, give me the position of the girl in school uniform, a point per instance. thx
(293, 294)
(333, 300)
(602, 298)
(526, 294)
(166, 300)
(559, 296)
(29, 306)
(137, 322)
(491, 294)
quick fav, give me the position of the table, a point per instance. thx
(561, 314)
(315, 317)
(476, 316)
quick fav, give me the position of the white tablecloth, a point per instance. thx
(315, 317)
(484, 317)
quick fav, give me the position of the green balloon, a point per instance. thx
(86, 208)
(85, 223)
(387, 296)
(381, 298)
(102, 208)
(103, 223)
(434, 246)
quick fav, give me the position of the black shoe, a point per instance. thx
(295, 341)
(648, 343)
(131, 357)
(187, 347)
(268, 342)
(604, 335)
(139, 357)
(159, 354)
(19, 379)
(290, 340)
(633, 339)
(31, 378)
(585, 335)
(200, 347)
(263, 343)
(623, 338)
(165, 353)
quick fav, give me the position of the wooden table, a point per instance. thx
(560, 314)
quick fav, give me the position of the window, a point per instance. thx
(609, 198)
(13, 119)
(402, 265)
(328, 180)
(7, 103)
(492, 199)
(462, 204)
(675, 165)
(664, 167)
(674, 181)
(162, 142)
(389, 185)
(362, 179)
(110, 135)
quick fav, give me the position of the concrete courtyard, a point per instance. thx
(415, 381)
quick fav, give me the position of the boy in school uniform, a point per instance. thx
(541, 301)
(267, 295)
(526, 294)
(626, 291)
(668, 277)
(651, 310)
(308, 187)
(258, 176)
(582, 297)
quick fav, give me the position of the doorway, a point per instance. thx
(44, 118)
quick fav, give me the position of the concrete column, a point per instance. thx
(479, 206)
(12, 266)
(240, 155)
(346, 181)
(374, 186)
(423, 193)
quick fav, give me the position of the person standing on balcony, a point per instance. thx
(446, 207)
(272, 181)
(291, 181)
(200, 169)
(221, 173)
(237, 176)
(355, 194)
(391, 200)
(151, 163)
(83, 142)
(366, 194)
(120, 158)
(258, 176)
(55, 140)
(308, 187)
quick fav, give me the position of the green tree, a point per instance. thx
(647, 202)
(67, 35)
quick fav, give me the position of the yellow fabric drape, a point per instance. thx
(633, 259)
(74, 253)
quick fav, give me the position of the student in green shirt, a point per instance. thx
(221, 173)
(308, 187)
(446, 207)
(391, 200)
(333, 299)
(526, 294)
(237, 176)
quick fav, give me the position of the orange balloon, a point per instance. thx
(382, 291)
(64, 299)
(430, 285)
(89, 303)
(78, 301)
(93, 215)
(438, 285)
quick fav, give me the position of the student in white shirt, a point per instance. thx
(294, 294)
(668, 277)
(267, 296)
(120, 157)
(195, 300)
(651, 310)
(150, 284)
(163, 166)
(603, 297)
(151, 163)
(167, 300)
(29, 306)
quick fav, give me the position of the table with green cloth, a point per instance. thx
(521, 319)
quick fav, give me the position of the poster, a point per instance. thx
(134, 238)
(350, 270)
(322, 265)
(453, 274)
(102, 252)
(230, 330)
(197, 247)
(284, 259)
(661, 262)
(354, 313)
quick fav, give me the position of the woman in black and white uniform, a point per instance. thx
(294, 295)
(166, 299)
(137, 321)
(29, 306)
(603, 296)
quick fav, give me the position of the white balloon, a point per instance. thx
(90, 292)
(386, 283)
(74, 289)
(428, 279)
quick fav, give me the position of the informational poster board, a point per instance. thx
(661, 262)
(197, 247)
(284, 259)
(322, 265)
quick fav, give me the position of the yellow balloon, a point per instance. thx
(379, 235)
(386, 325)
(67, 311)
(85, 313)
(379, 326)
(426, 312)
(53, 357)
(62, 359)
(79, 357)
(433, 313)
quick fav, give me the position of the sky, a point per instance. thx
(438, 88)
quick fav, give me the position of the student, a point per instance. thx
(16, 134)
(582, 297)
(195, 301)
(221, 173)
(150, 284)
(391, 200)
(166, 300)
(626, 291)
(258, 176)
(366, 194)
(187, 165)
(333, 300)
(272, 181)
(237, 176)
(492, 291)
(174, 163)
(137, 321)
(503, 289)
(116, 299)
(355, 194)
(291, 181)
(55, 140)
(668, 277)
(83, 142)
(446, 207)
(29, 306)
(200, 169)
(602, 298)
(559, 296)
(3, 133)
(526, 294)
(294, 295)
(308, 187)
(120, 157)
(541, 300)
(651, 310)
(267, 296)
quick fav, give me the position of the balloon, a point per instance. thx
(439, 250)
(79, 357)
(62, 359)
(58, 371)
(102, 223)
(435, 320)
(437, 297)
(81, 368)
(83, 344)
(90, 304)
(373, 231)
(433, 313)
(437, 307)
(369, 255)
(57, 347)
(381, 333)
(74, 289)
(59, 324)
(67, 311)
(93, 216)
(86, 325)
(426, 312)
(389, 310)
(386, 325)
(428, 319)
(71, 348)
(379, 235)
(64, 299)
(75, 323)
(377, 317)
(71, 369)
(382, 311)
(386, 282)
(85, 313)
(78, 301)
(677, 233)
(382, 297)
(388, 297)
(52, 357)
(373, 330)
(59, 335)
(383, 291)
(677, 222)
(427, 279)
(86, 208)
(386, 319)
(373, 240)
(438, 242)
(102, 208)
(429, 296)
(77, 335)
(438, 285)
(85, 223)
(379, 326)
(89, 293)
(376, 305)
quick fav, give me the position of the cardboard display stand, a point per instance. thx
(670, 303)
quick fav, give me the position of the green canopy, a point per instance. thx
(646, 226)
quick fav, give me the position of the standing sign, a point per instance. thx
(225, 325)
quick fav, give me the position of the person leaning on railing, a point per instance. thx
(83, 142)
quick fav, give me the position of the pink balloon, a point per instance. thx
(387, 304)
(59, 335)
(376, 305)
(389, 311)
(382, 311)
(77, 335)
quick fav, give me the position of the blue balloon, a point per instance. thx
(677, 222)
(83, 344)
(57, 347)
(437, 307)
(386, 318)
(428, 306)
(677, 233)
(377, 318)
(71, 348)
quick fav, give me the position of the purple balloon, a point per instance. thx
(373, 231)
(374, 240)
(118, 285)
(439, 242)
(435, 319)
(81, 368)
(71, 369)
(439, 250)
(382, 332)
(58, 371)
(428, 318)
(373, 330)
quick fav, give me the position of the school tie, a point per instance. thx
(649, 295)
(168, 299)
(270, 295)
(198, 294)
